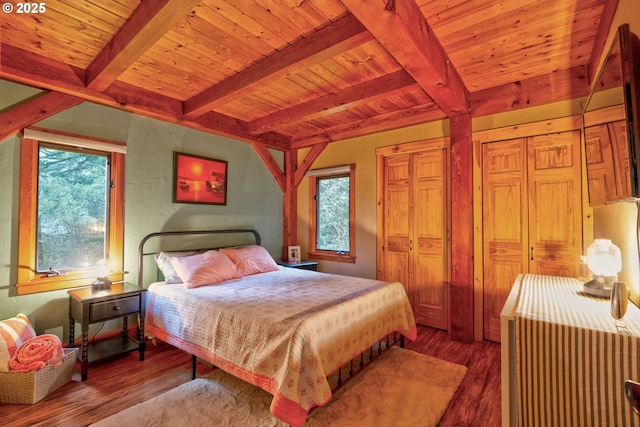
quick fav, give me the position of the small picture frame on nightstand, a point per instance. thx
(294, 254)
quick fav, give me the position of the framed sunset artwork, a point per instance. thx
(198, 179)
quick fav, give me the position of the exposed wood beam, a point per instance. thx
(608, 13)
(271, 164)
(335, 38)
(387, 85)
(148, 24)
(41, 72)
(536, 91)
(221, 124)
(290, 202)
(145, 103)
(384, 122)
(308, 160)
(38, 71)
(461, 292)
(402, 29)
(36, 109)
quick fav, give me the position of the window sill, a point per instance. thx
(328, 256)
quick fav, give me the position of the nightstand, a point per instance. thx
(302, 265)
(87, 306)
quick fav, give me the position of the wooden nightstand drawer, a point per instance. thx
(109, 309)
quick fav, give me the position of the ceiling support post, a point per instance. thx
(290, 202)
(461, 292)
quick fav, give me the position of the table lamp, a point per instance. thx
(605, 262)
(102, 281)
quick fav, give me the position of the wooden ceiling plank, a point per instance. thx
(150, 21)
(606, 20)
(536, 91)
(34, 110)
(323, 44)
(406, 34)
(359, 94)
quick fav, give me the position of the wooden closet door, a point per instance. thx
(396, 224)
(555, 204)
(415, 250)
(504, 222)
(601, 173)
(429, 257)
(531, 214)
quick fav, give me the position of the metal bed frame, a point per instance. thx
(354, 366)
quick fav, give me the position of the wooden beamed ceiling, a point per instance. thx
(290, 74)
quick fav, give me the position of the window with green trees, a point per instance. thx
(71, 211)
(332, 216)
(72, 200)
(332, 227)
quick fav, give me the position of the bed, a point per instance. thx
(282, 329)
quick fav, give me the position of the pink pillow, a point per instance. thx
(13, 332)
(251, 259)
(204, 269)
(163, 259)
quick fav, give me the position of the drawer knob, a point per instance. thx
(116, 308)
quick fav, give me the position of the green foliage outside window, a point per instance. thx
(333, 214)
(72, 201)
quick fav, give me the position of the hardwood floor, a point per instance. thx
(123, 382)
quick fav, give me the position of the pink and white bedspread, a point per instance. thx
(283, 331)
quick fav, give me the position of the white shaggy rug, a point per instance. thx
(401, 388)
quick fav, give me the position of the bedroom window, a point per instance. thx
(332, 214)
(70, 211)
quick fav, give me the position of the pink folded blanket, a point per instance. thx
(36, 353)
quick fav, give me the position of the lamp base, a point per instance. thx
(101, 283)
(597, 288)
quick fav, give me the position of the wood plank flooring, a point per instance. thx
(114, 385)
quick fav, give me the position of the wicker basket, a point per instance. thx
(31, 387)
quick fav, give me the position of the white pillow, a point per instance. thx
(163, 259)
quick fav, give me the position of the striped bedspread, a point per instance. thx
(571, 360)
(283, 331)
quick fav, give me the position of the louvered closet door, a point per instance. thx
(504, 214)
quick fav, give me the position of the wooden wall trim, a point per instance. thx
(543, 127)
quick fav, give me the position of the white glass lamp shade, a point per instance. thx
(604, 258)
(102, 268)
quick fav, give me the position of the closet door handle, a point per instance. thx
(410, 244)
(531, 253)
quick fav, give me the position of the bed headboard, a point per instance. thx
(199, 240)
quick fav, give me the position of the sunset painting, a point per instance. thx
(199, 180)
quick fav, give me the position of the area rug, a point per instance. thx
(401, 388)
